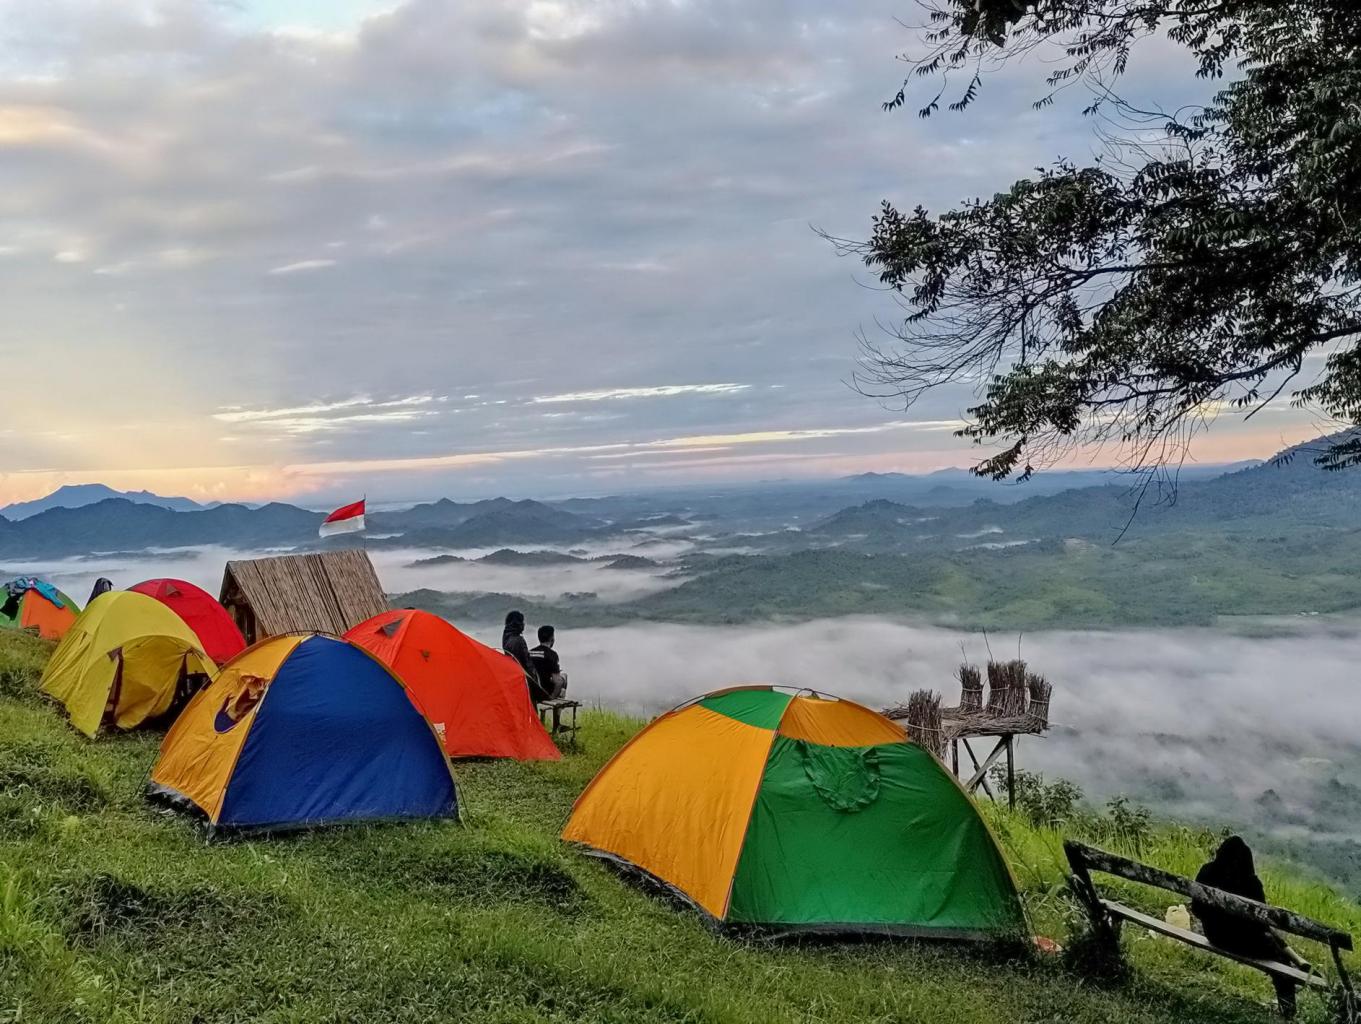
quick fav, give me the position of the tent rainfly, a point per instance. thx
(326, 592)
(300, 731)
(771, 810)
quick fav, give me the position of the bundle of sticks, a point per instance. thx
(970, 688)
(1007, 688)
(923, 721)
(1040, 691)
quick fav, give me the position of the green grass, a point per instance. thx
(112, 911)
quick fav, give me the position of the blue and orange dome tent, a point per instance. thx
(303, 730)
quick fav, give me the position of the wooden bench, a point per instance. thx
(557, 707)
(1107, 916)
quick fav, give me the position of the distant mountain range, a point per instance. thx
(492, 523)
(119, 524)
(871, 512)
(1290, 491)
(80, 495)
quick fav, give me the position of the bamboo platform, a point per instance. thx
(1018, 705)
(957, 722)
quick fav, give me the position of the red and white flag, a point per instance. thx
(346, 519)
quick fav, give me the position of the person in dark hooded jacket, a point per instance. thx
(1232, 870)
(513, 643)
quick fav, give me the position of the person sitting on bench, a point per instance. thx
(1232, 870)
(552, 679)
(513, 643)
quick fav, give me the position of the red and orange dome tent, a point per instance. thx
(211, 623)
(474, 696)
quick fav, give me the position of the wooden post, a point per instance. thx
(980, 775)
(1349, 1008)
(1011, 772)
(1080, 881)
(984, 781)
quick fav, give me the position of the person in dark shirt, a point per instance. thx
(1232, 870)
(513, 643)
(548, 669)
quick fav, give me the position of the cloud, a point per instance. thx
(539, 202)
(302, 266)
(1179, 718)
(655, 391)
(806, 434)
(345, 414)
(238, 415)
(685, 444)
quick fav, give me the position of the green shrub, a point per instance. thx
(1043, 804)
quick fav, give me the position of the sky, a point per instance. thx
(308, 249)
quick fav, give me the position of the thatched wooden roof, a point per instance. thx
(329, 591)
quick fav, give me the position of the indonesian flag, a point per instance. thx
(346, 519)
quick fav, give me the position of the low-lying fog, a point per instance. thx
(203, 566)
(1194, 722)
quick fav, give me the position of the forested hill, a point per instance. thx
(1290, 493)
(118, 524)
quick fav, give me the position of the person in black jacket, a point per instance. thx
(1232, 870)
(551, 678)
(513, 643)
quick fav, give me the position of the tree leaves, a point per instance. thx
(1131, 302)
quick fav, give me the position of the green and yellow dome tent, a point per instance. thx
(770, 809)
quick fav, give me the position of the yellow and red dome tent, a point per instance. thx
(211, 623)
(124, 661)
(474, 696)
(303, 730)
(770, 809)
(31, 603)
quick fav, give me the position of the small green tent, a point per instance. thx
(770, 809)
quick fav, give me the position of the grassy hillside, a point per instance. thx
(111, 911)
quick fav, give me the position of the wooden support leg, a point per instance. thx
(954, 757)
(1011, 772)
(1348, 1005)
(980, 776)
(1080, 884)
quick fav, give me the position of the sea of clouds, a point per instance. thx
(1195, 721)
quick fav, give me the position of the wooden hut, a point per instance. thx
(327, 592)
